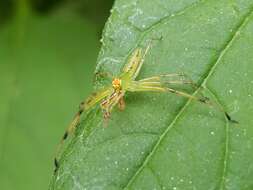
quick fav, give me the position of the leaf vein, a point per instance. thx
(226, 152)
(211, 70)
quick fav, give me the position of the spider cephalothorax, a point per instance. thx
(116, 84)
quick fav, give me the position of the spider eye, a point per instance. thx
(116, 83)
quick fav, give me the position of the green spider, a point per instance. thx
(113, 95)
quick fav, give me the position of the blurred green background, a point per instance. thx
(48, 51)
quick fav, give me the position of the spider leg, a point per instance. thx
(134, 64)
(84, 106)
(138, 67)
(96, 97)
(136, 61)
(158, 87)
(149, 86)
(105, 106)
(158, 83)
(68, 132)
(159, 77)
(108, 104)
(121, 104)
(174, 78)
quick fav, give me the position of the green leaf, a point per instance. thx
(162, 141)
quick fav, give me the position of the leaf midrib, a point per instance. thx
(211, 70)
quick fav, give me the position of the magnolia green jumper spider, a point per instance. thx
(126, 81)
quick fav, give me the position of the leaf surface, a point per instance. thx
(162, 141)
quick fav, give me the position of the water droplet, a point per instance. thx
(212, 133)
(230, 91)
(174, 188)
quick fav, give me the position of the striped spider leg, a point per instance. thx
(152, 84)
(113, 95)
(85, 105)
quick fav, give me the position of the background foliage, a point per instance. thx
(48, 51)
